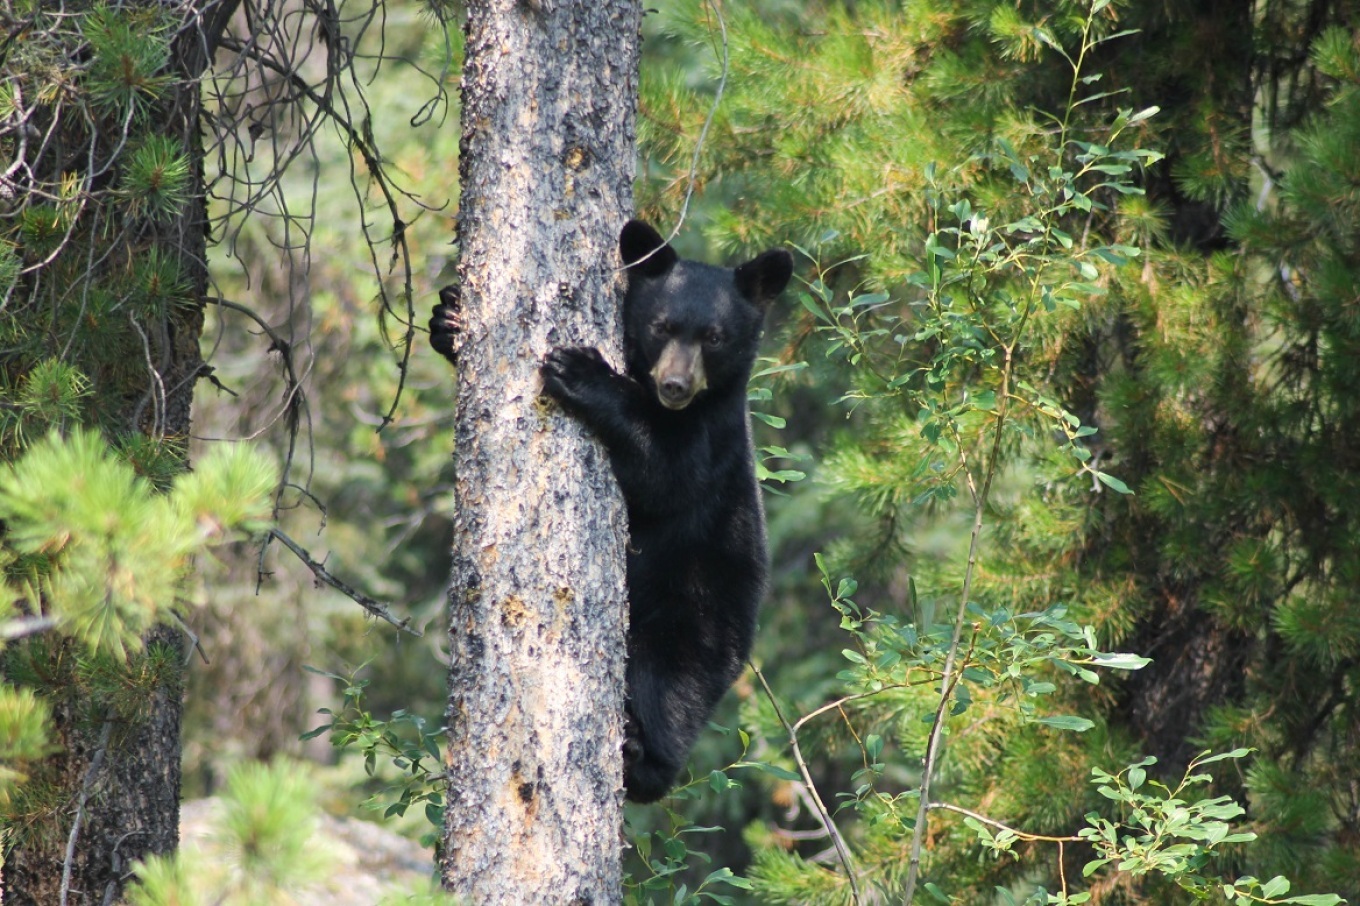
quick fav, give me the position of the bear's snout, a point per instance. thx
(679, 374)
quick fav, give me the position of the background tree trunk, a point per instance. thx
(538, 605)
(120, 778)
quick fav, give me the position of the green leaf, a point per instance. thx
(936, 892)
(1066, 722)
(1109, 255)
(1145, 113)
(1113, 483)
(773, 770)
(812, 307)
(1235, 753)
(1120, 661)
(779, 369)
(868, 300)
(1275, 887)
(773, 421)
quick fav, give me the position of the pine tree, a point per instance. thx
(105, 266)
(103, 279)
(1212, 362)
(94, 557)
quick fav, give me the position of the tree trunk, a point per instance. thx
(114, 779)
(538, 606)
(119, 778)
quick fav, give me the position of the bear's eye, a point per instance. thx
(713, 338)
(663, 328)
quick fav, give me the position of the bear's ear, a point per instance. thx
(644, 251)
(764, 276)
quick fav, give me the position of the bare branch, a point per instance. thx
(11, 630)
(992, 822)
(69, 862)
(374, 607)
(822, 814)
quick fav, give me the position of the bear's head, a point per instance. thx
(692, 328)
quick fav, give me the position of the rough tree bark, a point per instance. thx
(118, 775)
(538, 604)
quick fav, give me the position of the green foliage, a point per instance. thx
(129, 50)
(113, 143)
(431, 896)
(759, 395)
(261, 852)
(959, 357)
(951, 358)
(94, 554)
(1171, 836)
(10, 267)
(48, 397)
(402, 757)
(666, 858)
(157, 179)
(1021, 338)
(1160, 832)
(403, 742)
(265, 826)
(1334, 54)
(118, 552)
(1008, 663)
(24, 733)
(95, 268)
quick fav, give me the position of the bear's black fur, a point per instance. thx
(677, 429)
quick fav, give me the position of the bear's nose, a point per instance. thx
(675, 388)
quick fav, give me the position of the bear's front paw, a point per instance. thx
(446, 324)
(568, 371)
(632, 743)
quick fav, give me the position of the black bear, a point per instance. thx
(677, 430)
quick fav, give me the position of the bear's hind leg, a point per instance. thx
(649, 770)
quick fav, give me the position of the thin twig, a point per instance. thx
(708, 121)
(196, 645)
(10, 630)
(374, 607)
(1019, 834)
(948, 678)
(822, 814)
(85, 785)
(120, 877)
(693, 177)
(992, 822)
(361, 140)
(835, 705)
